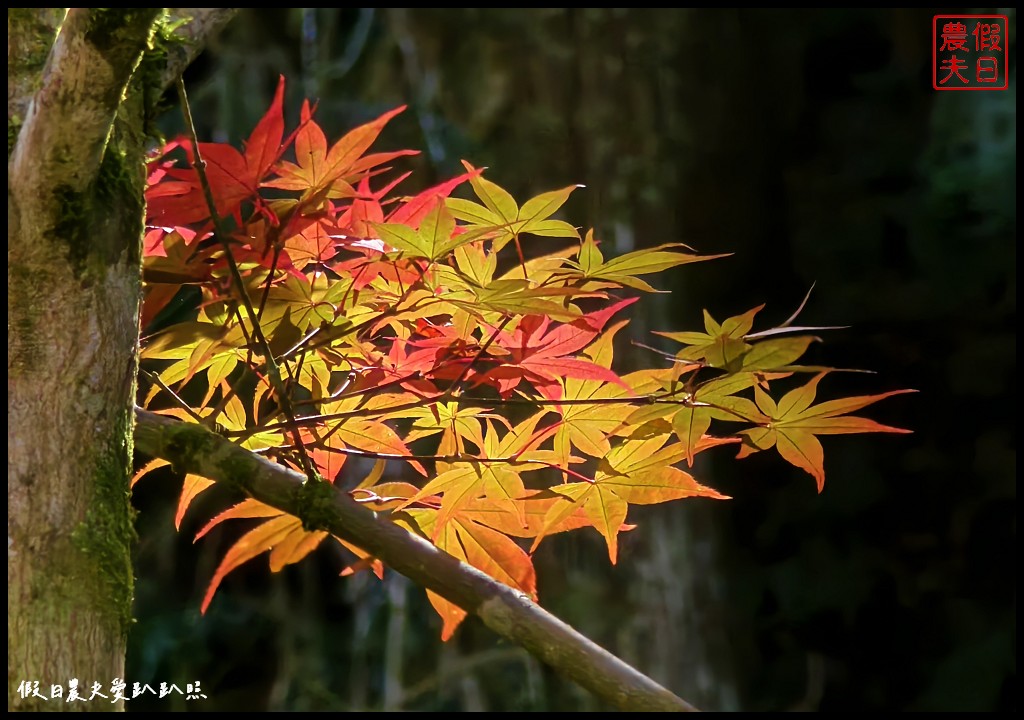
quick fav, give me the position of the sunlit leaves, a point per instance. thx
(498, 218)
(233, 177)
(715, 398)
(585, 426)
(330, 171)
(793, 424)
(732, 346)
(433, 240)
(721, 345)
(395, 345)
(482, 547)
(266, 537)
(637, 471)
(623, 270)
(521, 297)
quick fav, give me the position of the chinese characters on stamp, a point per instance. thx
(969, 52)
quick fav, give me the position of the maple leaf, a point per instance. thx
(794, 424)
(728, 346)
(722, 344)
(472, 533)
(355, 427)
(527, 520)
(522, 297)
(484, 548)
(193, 486)
(714, 399)
(583, 426)
(501, 219)
(499, 480)
(168, 264)
(472, 263)
(636, 471)
(412, 209)
(330, 172)
(281, 535)
(434, 239)
(305, 301)
(233, 176)
(623, 270)
(314, 243)
(456, 422)
(195, 347)
(542, 356)
(542, 270)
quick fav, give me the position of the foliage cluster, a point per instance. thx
(455, 354)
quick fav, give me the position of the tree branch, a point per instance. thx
(195, 449)
(203, 23)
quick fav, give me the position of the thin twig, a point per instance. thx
(155, 379)
(483, 348)
(273, 371)
(306, 344)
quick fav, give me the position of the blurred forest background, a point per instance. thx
(811, 145)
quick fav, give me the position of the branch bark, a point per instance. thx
(192, 448)
(201, 25)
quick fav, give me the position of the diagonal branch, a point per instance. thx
(192, 37)
(193, 448)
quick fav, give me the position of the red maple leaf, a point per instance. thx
(542, 356)
(233, 176)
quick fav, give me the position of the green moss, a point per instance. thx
(120, 185)
(186, 443)
(70, 227)
(188, 447)
(111, 27)
(315, 504)
(238, 469)
(148, 81)
(30, 31)
(163, 43)
(115, 181)
(106, 535)
(102, 225)
(14, 124)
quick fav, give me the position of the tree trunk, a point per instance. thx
(75, 219)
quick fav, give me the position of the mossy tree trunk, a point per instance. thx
(75, 219)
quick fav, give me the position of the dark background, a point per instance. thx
(811, 145)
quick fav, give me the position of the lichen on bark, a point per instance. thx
(107, 533)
